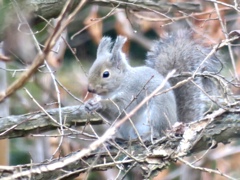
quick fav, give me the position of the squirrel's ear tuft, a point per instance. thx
(119, 44)
(104, 45)
(117, 56)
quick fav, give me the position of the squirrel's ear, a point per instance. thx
(119, 43)
(117, 48)
(104, 45)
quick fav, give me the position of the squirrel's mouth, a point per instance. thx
(100, 92)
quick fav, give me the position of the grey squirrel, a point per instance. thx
(121, 87)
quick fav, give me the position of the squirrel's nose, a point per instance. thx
(91, 89)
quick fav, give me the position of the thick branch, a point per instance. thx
(181, 141)
(22, 125)
(158, 6)
(51, 9)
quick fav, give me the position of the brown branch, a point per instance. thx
(60, 26)
(23, 125)
(158, 6)
(183, 140)
(174, 19)
(52, 9)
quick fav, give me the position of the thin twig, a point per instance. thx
(23, 19)
(205, 169)
(39, 59)
(224, 29)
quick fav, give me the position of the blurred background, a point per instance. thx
(23, 33)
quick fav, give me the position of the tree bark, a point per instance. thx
(38, 9)
(38, 122)
(4, 111)
(182, 140)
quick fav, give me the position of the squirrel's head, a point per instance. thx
(109, 68)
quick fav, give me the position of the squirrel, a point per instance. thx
(120, 87)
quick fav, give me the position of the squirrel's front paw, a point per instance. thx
(92, 105)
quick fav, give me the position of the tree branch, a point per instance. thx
(23, 125)
(158, 6)
(40, 58)
(182, 140)
(52, 9)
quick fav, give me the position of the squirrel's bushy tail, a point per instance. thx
(181, 52)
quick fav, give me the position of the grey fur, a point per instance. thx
(118, 56)
(118, 44)
(179, 51)
(125, 87)
(104, 46)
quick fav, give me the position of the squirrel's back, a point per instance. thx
(181, 52)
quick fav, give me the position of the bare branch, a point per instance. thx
(61, 25)
(22, 125)
(194, 137)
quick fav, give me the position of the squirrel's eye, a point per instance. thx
(105, 74)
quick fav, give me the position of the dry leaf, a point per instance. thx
(95, 25)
